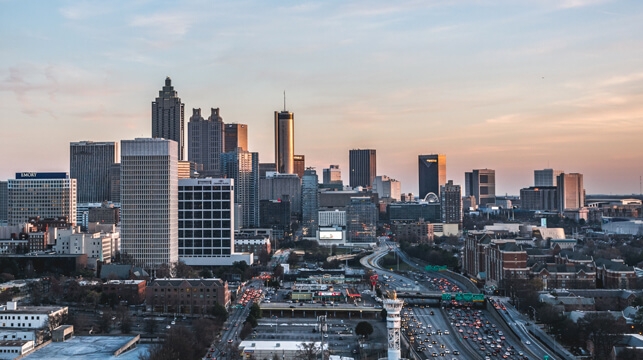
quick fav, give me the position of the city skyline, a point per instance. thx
(499, 85)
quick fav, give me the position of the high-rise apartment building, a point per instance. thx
(387, 188)
(361, 220)
(451, 203)
(276, 186)
(89, 164)
(205, 142)
(546, 177)
(309, 202)
(332, 175)
(149, 201)
(539, 198)
(571, 193)
(206, 220)
(115, 183)
(236, 135)
(363, 167)
(299, 162)
(243, 167)
(432, 173)
(47, 195)
(285, 142)
(168, 117)
(4, 194)
(481, 183)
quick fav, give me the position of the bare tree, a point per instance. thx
(307, 351)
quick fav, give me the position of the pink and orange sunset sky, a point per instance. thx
(508, 85)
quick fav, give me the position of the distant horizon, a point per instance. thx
(509, 86)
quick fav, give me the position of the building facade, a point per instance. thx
(546, 177)
(186, 296)
(276, 186)
(4, 205)
(285, 142)
(131, 291)
(205, 142)
(387, 188)
(46, 195)
(299, 163)
(235, 136)
(115, 183)
(571, 193)
(309, 202)
(432, 173)
(89, 164)
(206, 220)
(149, 201)
(362, 165)
(168, 117)
(243, 167)
(361, 220)
(451, 203)
(481, 183)
(332, 175)
(543, 198)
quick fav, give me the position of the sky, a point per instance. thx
(507, 85)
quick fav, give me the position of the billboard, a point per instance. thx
(330, 235)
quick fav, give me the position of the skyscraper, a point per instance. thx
(168, 119)
(361, 220)
(432, 173)
(481, 183)
(387, 188)
(115, 183)
(89, 164)
(363, 167)
(243, 167)
(285, 142)
(571, 193)
(149, 201)
(48, 195)
(309, 202)
(236, 135)
(299, 162)
(4, 194)
(206, 229)
(451, 203)
(546, 177)
(332, 175)
(205, 144)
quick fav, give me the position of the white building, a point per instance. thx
(332, 218)
(48, 195)
(387, 187)
(149, 201)
(100, 243)
(11, 349)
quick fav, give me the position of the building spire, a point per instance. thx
(284, 100)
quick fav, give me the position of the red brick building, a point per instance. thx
(505, 259)
(186, 296)
(132, 291)
(565, 276)
(614, 274)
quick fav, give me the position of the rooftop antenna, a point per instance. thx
(284, 100)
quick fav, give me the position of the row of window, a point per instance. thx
(206, 188)
(204, 243)
(207, 205)
(207, 234)
(185, 289)
(208, 252)
(13, 317)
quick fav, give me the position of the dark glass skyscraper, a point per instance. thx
(285, 142)
(168, 120)
(310, 202)
(236, 135)
(363, 167)
(432, 173)
(89, 164)
(205, 144)
(243, 167)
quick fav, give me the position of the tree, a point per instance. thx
(264, 257)
(184, 271)
(603, 330)
(307, 351)
(105, 322)
(151, 326)
(278, 272)
(206, 274)
(220, 312)
(293, 259)
(255, 311)
(126, 325)
(364, 329)
(383, 314)
(252, 321)
(246, 330)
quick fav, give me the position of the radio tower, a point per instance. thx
(393, 307)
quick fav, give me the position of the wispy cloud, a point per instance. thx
(85, 10)
(568, 4)
(168, 23)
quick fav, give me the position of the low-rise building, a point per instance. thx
(38, 321)
(132, 291)
(614, 274)
(252, 244)
(11, 349)
(186, 296)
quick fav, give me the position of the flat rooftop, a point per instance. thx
(89, 348)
